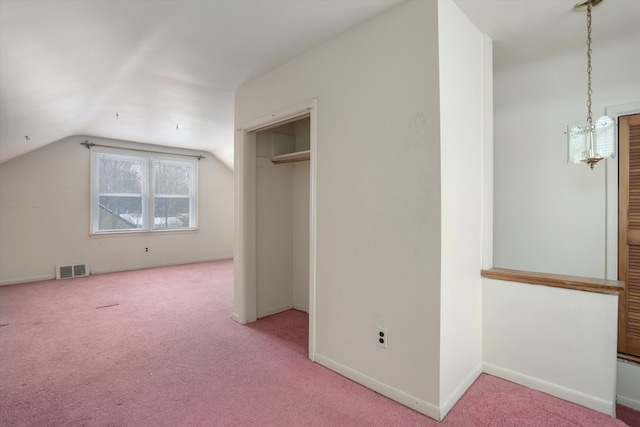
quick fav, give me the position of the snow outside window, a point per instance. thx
(139, 192)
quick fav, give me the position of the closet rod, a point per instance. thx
(93, 144)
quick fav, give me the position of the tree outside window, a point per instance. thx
(142, 193)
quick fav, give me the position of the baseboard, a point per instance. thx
(301, 308)
(565, 393)
(28, 279)
(156, 265)
(468, 380)
(628, 376)
(386, 390)
(105, 271)
(274, 310)
(628, 402)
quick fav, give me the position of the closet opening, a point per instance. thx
(282, 217)
(275, 199)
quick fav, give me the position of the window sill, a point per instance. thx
(601, 286)
(629, 358)
(143, 232)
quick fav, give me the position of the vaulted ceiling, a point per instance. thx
(165, 71)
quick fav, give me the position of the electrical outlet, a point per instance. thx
(382, 337)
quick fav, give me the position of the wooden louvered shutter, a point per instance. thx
(629, 235)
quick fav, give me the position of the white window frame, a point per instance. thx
(149, 161)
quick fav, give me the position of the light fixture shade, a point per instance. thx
(589, 143)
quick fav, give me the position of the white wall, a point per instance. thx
(462, 102)
(628, 388)
(274, 237)
(381, 260)
(378, 196)
(549, 216)
(44, 217)
(562, 342)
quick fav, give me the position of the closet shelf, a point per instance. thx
(298, 156)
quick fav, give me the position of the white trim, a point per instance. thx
(415, 403)
(614, 111)
(301, 308)
(313, 197)
(104, 234)
(628, 402)
(245, 164)
(28, 279)
(628, 384)
(565, 393)
(156, 265)
(148, 161)
(279, 309)
(274, 310)
(94, 272)
(93, 189)
(611, 197)
(279, 116)
(487, 183)
(467, 382)
(244, 248)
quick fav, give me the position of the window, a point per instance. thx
(142, 192)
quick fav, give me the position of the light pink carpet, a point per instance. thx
(158, 347)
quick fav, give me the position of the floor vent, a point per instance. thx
(70, 271)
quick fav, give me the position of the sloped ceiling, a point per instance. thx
(136, 70)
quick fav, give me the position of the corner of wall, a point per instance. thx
(628, 384)
(449, 402)
(415, 403)
(593, 402)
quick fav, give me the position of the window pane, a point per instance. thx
(171, 212)
(136, 192)
(120, 176)
(173, 179)
(120, 213)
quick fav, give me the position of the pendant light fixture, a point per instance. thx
(588, 141)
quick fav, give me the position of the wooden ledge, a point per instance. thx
(629, 358)
(601, 286)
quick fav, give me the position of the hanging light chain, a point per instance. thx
(584, 143)
(589, 91)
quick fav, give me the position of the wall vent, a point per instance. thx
(70, 271)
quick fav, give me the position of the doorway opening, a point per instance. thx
(282, 217)
(274, 252)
